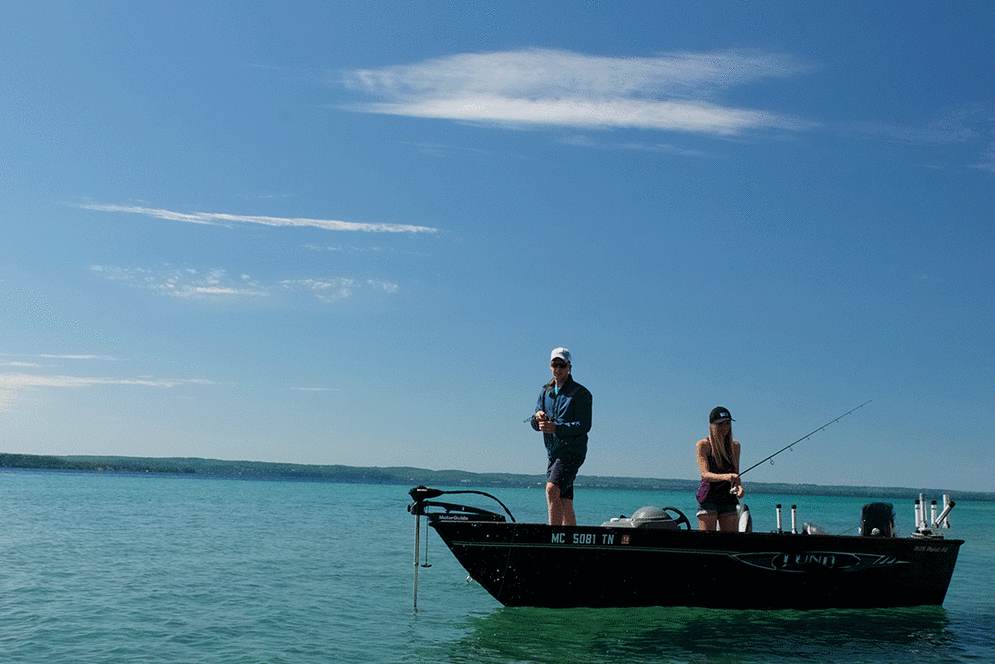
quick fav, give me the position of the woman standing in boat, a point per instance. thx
(718, 461)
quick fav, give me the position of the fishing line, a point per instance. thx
(787, 447)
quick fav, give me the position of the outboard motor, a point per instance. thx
(878, 520)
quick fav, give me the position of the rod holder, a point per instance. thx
(942, 518)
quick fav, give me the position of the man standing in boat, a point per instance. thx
(563, 415)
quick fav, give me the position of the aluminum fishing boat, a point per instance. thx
(656, 558)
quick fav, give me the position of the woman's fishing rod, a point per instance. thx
(786, 447)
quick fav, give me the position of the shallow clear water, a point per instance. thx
(112, 568)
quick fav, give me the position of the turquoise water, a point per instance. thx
(112, 568)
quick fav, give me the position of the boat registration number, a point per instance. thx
(585, 538)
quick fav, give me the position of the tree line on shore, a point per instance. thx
(260, 470)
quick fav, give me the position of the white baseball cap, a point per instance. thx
(561, 353)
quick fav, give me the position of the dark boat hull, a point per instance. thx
(523, 564)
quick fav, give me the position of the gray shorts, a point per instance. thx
(712, 508)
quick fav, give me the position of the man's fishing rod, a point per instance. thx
(786, 447)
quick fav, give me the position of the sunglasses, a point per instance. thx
(558, 365)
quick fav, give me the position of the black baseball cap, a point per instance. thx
(719, 414)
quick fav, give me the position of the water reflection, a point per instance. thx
(706, 635)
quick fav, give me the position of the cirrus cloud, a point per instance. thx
(17, 380)
(548, 87)
(186, 283)
(226, 219)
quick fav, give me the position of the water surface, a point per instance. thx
(117, 568)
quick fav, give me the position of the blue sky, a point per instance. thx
(351, 232)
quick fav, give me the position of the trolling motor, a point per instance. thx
(423, 495)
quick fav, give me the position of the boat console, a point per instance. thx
(666, 518)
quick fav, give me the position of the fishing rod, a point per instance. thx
(787, 447)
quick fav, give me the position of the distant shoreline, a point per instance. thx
(403, 475)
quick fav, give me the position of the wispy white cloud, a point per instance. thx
(21, 386)
(18, 380)
(375, 250)
(666, 148)
(972, 126)
(216, 284)
(546, 87)
(445, 150)
(932, 133)
(184, 282)
(48, 357)
(225, 219)
(333, 290)
(987, 162)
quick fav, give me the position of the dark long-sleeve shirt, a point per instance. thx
(570, 409)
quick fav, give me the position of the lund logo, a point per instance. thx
(810, 561)
(815, 561)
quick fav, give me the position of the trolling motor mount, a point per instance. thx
(452, 511)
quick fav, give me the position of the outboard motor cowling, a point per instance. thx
(878, 520)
